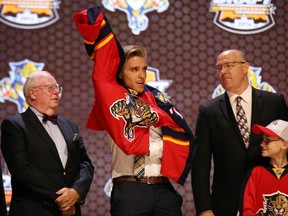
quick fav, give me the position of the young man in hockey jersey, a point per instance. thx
(141, 122)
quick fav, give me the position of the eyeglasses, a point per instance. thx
(51, 87)
(228, 65)
(267, 141)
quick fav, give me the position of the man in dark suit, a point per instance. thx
(3, 210)
(218, 137)
(51, 172)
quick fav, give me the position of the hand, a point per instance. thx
(69, 212)
(206, 213)
(67, 198)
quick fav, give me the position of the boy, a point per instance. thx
(266, 189)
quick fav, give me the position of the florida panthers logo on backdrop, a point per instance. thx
(136, 10)
(254, 79)
(153, 79)
(274, 204)
(135, 112)
(29, 14)
(11, 88)
(242, 16)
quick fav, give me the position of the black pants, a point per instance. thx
(138, 199)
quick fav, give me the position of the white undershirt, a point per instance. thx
(122, 164)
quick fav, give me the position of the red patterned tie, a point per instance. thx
(242, 121)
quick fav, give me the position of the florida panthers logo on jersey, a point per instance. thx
(135, 112)
(274, 204)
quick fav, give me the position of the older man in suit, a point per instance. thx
(230, 144)
(50, 169)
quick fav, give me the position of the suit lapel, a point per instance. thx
(257, 103)
(66, 132)
(30, 117)
(227, 110)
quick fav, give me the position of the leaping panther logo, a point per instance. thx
(274, 205)
(135, 112)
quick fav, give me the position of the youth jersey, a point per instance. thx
(265, 192)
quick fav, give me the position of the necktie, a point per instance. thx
(52, 118)
(242, 121)
(138, 169)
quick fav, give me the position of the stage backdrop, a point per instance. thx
(182, 37)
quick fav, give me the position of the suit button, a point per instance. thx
(64, 173)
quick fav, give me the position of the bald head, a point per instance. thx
(232, 68)
(235, 53)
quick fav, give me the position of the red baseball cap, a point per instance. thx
(277, 128)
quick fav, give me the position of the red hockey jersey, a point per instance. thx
(264, 193)
(124, 115)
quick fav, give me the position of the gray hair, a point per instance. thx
(32, 81)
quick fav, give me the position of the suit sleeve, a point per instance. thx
(201, 164)
(283, 108)
(3, 210)
(84, 179)
(14, 149)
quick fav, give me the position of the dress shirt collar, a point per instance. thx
(246, 96)
(37, 113)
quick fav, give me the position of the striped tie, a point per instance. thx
(242, 121)
(138, 169)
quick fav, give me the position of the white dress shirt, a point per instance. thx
(56, 135)
(246, 103)
(122, 164)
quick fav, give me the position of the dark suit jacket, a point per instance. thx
(3, 210)
(35, 166)
(217, 135)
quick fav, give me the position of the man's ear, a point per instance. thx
(32, 94)
(246, 66)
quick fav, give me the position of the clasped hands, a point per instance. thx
(66, 201)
